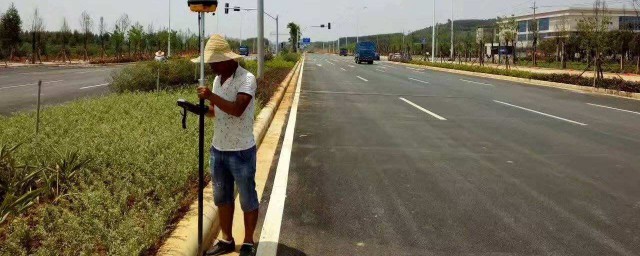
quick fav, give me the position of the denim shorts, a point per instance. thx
(228, 167)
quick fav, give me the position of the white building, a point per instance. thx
(553, 22)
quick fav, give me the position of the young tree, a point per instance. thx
(136, 35)
(65, 33)
(561, 39)
(10, 29)
(634, 46)
(508, 33)
(119, 33)
(294, 36)
(101, 31)
(86, 24)
(620, 44)
(37, 27)
(592, 30)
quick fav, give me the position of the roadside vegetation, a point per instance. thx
(607, 83)
(107, 175)
(25, 37)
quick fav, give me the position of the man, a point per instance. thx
(233, 150)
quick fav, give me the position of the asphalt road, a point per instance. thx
(19, 90)
(391, 160)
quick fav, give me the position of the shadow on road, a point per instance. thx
(284, 250)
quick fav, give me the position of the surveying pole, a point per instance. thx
(201, 7)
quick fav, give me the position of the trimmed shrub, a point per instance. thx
(607, 83)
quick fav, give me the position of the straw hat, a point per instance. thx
(159, 53)
(217, 50)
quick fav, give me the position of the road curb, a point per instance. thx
(183, 240)
(570, 87)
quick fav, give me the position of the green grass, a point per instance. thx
(141, 176)
(143, 164)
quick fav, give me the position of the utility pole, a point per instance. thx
(260, 38)
(535, 35)
(433, 34)
(169, 39)
(451, 52)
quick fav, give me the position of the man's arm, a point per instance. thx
(211, 112)
(234, 108)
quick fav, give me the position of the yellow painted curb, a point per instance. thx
(183, 241)
(570, 87)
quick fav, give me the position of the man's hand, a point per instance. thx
(204, 92)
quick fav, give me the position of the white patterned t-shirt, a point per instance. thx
(233, 133)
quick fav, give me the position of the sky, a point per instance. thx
(348, 17)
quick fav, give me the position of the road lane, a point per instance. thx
(18, 89)
(371, 175)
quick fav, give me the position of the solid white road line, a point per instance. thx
(97, 85)
(417, 80)
(540, 113)
(423, 109)
(319, 65)
(474, 82)
(381, 70)
(270, 234)
(23, 85)
(343, 69)
(623, 110)
(362, 79)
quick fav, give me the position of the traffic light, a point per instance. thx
(329, 25)
(226, 8)
(322, 26)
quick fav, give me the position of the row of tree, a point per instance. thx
(96, 39)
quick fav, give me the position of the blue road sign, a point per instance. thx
(306, 40)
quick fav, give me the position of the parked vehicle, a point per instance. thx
(365, 52)
(244, 50)
(343, 52)
(399, 57)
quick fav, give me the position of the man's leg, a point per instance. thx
(226, 220)
(223, 198)
(244, 172)
(250, 222)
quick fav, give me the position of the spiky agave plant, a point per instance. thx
(61, 175)
(18, 184)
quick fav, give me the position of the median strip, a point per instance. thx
(618, 109)
(418, 80)
(540, 113)
(423, 109)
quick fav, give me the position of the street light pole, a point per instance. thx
(169, 39)
(260, 38)
(433, 33)
(277, 35)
